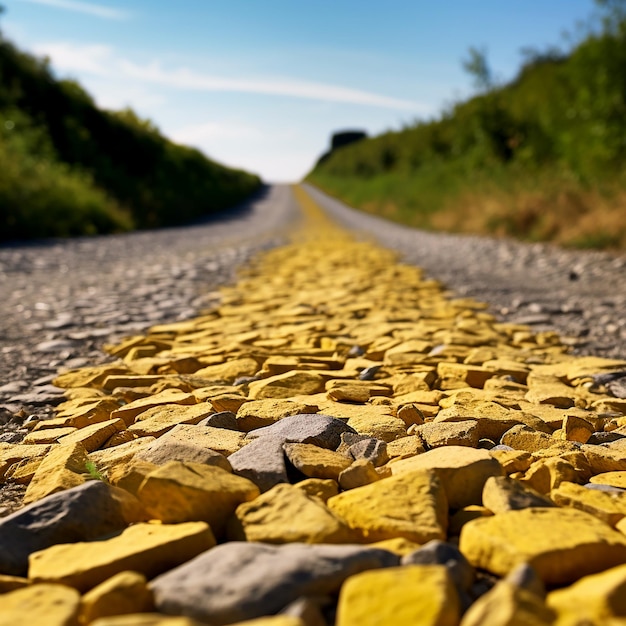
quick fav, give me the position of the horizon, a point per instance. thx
(264, 88)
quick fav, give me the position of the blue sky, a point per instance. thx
(261, 84)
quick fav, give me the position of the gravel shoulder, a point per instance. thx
(580, 294)
(62, 300)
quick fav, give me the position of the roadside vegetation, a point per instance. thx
(541, 158)
(68, 168)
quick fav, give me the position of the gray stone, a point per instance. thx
(224, 419)
(442, 553)
(169, 447)
(239, 581)
(369, 373)
(82, 513)
(600, 437)
(607, 488)
(320, 430)
(262, 461)
(370, 449)
(525, 577)
(501, 494)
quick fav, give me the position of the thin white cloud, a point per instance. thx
(89, 8)
(184, 78)
(101, 60)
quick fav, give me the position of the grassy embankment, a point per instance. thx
(69, 168)
(541, 158)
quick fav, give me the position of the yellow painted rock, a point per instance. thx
(609, 507)
(108, 458)
(286, 385)
(560, 544)
(322, 488)
(593, 600)
(614, 479)
(49, 435)
(182, 492)
(316, 462)
(129, 476)
(220, 440)
(149, 549)
(361, 472)
(471, 375)
(576, 429)
(547, 474)
(229, 371)
(458, 433)
(508, 605)
(397, 545)
(130, 411)
(465, 515)
(405, 447)
(92, 437)
(11, 453)
(399, 596)
(126, 592)
(463, 471)
(271, 518)
(412, 505)
(11, 583)
(64, 467)
(382, 426)
(158, 420)
(40, 605)
(512, 460)
(260, 413)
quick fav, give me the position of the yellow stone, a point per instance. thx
(508, 605)
(412, 505)
(453, 373)
(149, 549)
(261, 413)
(322, 488)
(228, 402)
(382, 426)
(22, 472)
(462, 471)
(126, 592)
(399, 596)
(83, 412)
(603, 460)
(275, 620)
(397, 545)
(158, 420)
(361, 472)
(92, 437)
(64, 467)
(576, 429)
(108, 458)
(221, 440)
(614, 479)
(561, 544)
(11, 453)
(593, 599)
(465, 515)
(129, 476)
(609, 507)
(11, 583)
(88, 376)
(286, 385)
(48, 436)
(512, 460)
(130, 411)
(286, 514)
(40, 605)
(316, 462)
(351, 393)
(229, 371)
(547, 474)
(405, 447)
(182, 492)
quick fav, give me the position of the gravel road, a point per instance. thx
(62, 300)
(580, 294)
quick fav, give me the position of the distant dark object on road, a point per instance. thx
(340, 139)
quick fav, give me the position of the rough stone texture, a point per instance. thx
(40, 605)
(270, 519)
(268, 578)
(381, 598)
(85, 512)
(463, 471)
(316, 462)
(412, 505)
(149, 549)
(317, 429)
(126, 592)
(262, 461)
(561, 544)
(501, 494)
(184, 492)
